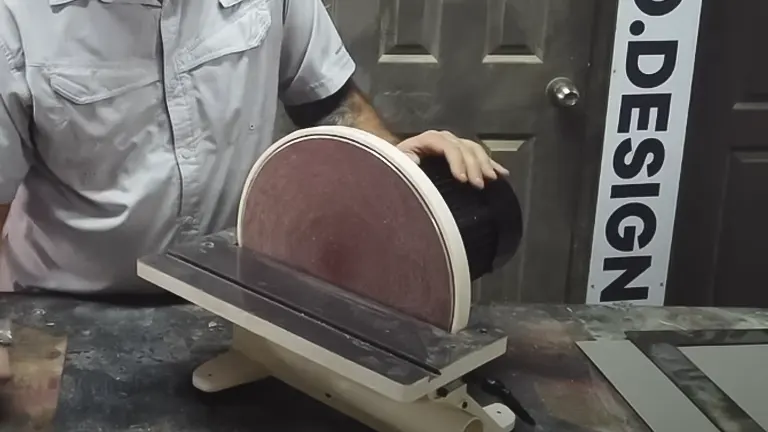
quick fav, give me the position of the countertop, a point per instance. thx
(127, 366)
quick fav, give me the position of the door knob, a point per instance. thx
(563, 92)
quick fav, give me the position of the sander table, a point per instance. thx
(349, 277)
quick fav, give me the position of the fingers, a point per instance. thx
(498, 168)
(473, 164)
(491, 168)
(485, 162)
(457, 162)
(435, 143)
(413, 156)
(467, 159)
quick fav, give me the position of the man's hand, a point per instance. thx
(468, 160)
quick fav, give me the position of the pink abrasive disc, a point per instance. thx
(350, 208)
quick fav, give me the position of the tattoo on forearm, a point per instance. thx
(356, 111)
(345, 115)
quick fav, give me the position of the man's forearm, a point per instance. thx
(356, 111)
(347, 107)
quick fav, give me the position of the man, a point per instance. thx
(128, 125)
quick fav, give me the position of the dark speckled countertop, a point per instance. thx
(128, 366)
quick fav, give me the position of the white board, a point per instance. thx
(652, 72)
(744, 380)
(656, 399)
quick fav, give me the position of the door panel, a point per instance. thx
(720, 249)
(479, 68)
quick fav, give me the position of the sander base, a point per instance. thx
(253, 358)
(389, 371)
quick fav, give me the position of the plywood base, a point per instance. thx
(252, 358)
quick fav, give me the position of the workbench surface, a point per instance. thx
(128, 367)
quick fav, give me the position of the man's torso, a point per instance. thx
(147, 118)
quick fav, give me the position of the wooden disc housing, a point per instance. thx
(350, 208)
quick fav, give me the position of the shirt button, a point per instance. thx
(185, 154)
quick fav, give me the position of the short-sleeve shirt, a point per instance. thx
(129, 125)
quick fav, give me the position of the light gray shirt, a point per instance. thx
(129, 125)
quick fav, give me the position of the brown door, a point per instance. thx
(720, 246)
(480, 69)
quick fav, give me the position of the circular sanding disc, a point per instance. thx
(350, 208)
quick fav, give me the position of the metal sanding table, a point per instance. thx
(128, 367)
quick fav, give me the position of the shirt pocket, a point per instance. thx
(241, 30)
(99, 120)
(229, 73)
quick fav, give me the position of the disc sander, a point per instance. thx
(352, 209)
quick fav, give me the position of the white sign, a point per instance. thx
(653, 60)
